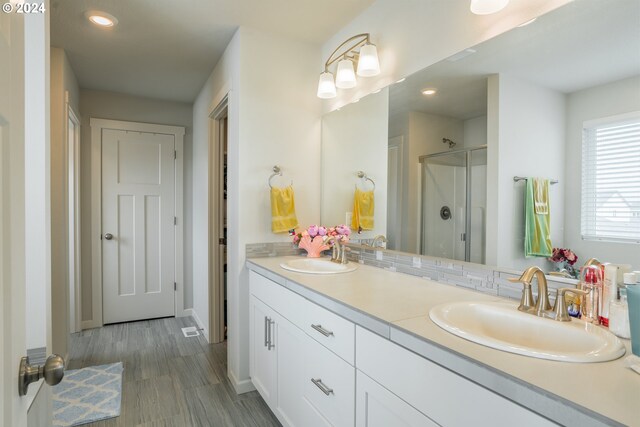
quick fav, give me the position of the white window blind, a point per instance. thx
(611, 179)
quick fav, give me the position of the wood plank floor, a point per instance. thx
(168, 380)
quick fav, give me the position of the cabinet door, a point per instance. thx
(378, 407)
(289, 343)
(263, 355)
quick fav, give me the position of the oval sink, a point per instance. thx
(501, 326)
(317, 266)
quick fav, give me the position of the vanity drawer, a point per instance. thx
(291, 306)
(329, 388)
(330, 330)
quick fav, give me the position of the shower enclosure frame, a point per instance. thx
(467, 220)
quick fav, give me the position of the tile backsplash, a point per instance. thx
(483, 278)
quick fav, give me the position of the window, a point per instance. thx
(611, 179)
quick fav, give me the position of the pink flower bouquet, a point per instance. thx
(314, 238)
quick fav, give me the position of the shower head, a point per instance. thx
(448, 141)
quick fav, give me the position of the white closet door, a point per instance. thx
(138, 240)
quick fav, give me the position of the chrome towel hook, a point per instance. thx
(363, 175)
(277, 171)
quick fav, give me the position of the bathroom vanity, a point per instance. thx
(360, 349)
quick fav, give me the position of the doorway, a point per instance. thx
(137, 186)
(73, 217)
(218, 221)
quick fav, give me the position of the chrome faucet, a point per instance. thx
(378, 239)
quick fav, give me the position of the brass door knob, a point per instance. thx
(52, 371)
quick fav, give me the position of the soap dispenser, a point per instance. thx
(591, 280)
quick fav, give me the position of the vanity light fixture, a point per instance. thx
(487, 7)
(101, 19)
(429, 92)
(357, 49)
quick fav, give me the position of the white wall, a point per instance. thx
(273, 119)
(475, 132)
(63, 80)
(116, 106)
(601, 101)
(354, 139)
(528, 142)
(413, 34)
(37, 181)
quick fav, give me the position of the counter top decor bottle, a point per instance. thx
(591, 280)
(619, 316)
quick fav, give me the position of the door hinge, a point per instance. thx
(175, 220)
(175, 286)
(175, 154)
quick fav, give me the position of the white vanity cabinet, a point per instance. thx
(304, 382)
(440, 394)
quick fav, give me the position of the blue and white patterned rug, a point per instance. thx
(87, 395)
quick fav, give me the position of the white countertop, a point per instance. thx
(397, 306)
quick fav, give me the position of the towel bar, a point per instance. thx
(277, 171)
(522, 178)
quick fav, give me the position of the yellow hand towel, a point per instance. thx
(363, 209)
(283, 210)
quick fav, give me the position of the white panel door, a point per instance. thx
(13, 409)
(138, 234)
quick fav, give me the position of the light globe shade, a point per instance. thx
(326, 86)
(345, 76)
(487, 7)
(368, 64)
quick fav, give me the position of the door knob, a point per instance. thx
(108, 236)
(52, 371)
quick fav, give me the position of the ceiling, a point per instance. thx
(580, 45)
(166, 49)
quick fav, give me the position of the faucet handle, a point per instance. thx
(526, 302)
(560, 306)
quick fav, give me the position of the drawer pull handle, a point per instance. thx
(266, 331)
(322, 330)
(326, 390)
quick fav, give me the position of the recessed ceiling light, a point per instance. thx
(102, 19)
(429, 91)
(524, 24)
(401, 80)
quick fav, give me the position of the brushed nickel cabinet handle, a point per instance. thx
(322, 330)
(271, 344)
(318, 382)
(266, 326)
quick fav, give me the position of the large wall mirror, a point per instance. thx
(444, 145)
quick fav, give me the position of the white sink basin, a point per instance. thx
(501, 326)
(317, 266)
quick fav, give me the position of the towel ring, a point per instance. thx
(366, 178)
(277, 171)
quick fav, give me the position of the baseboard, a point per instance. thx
(191, 312)
(90, 324)
(241, 387)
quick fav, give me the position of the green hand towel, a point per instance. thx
(537, 230)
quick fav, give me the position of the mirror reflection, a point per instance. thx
(457, 133)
